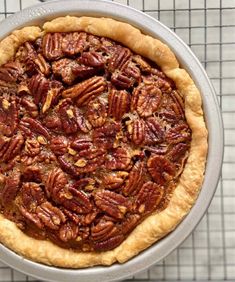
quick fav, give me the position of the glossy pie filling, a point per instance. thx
(93, 139)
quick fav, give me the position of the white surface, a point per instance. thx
(209, 253)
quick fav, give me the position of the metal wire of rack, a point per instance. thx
(208, 27)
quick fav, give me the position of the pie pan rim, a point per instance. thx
(214, 132)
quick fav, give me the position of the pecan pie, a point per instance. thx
(103, 142)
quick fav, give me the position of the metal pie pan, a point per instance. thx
(46, 11)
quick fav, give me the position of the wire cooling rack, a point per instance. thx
(208, 27)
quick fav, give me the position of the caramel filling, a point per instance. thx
(93, 139)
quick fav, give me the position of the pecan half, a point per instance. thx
(118, 158)
(52, 95)
(178, 106)
(4, 143)
(127, 77)
(121, 80)
(146, 99)
(144, 66)
(92, 59)
(74, 43)
(148, 197)
(67, 166)
(59, 145)
(161, 169)
(103, 230)
(78, 201)
(89, 160)
(74, 217)
(29, 125)
(164, 83)
(94, 42)
(83, 72)
(32, 196)
(178, 151)
(112, 203)
(129, 223)
(105, 136)
(31, 61)
(168, 115)
(81, 144)
(135, 180)
(52, 46)
(119, 103)
(32, 147)
(132, 71)
(10, 148)
(67, 116)
(55, 181)
(28, 160)
(119, 58)
(43, 66)
(109, 244)
(156, 149)
(31, 217)
(38, 86)
(10, 72)
(107, 46)
(114, 180)
(178, 133)
(83, 124)
(87, 219)
(51, 216)
(159, 79)
(53, 122)
(26, 53)
(137, 132)
(8, 117)
(86, 90)
(96, 113)
(80, 219)
(68, 231)
(154, 133)
(10, 190)
(30, 106)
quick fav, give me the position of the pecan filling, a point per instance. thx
(93, 139)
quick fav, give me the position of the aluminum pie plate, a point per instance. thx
(46, 11)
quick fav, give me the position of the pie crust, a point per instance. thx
(156, 225)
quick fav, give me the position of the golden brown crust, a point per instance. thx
(11, 43)
(158, 224)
